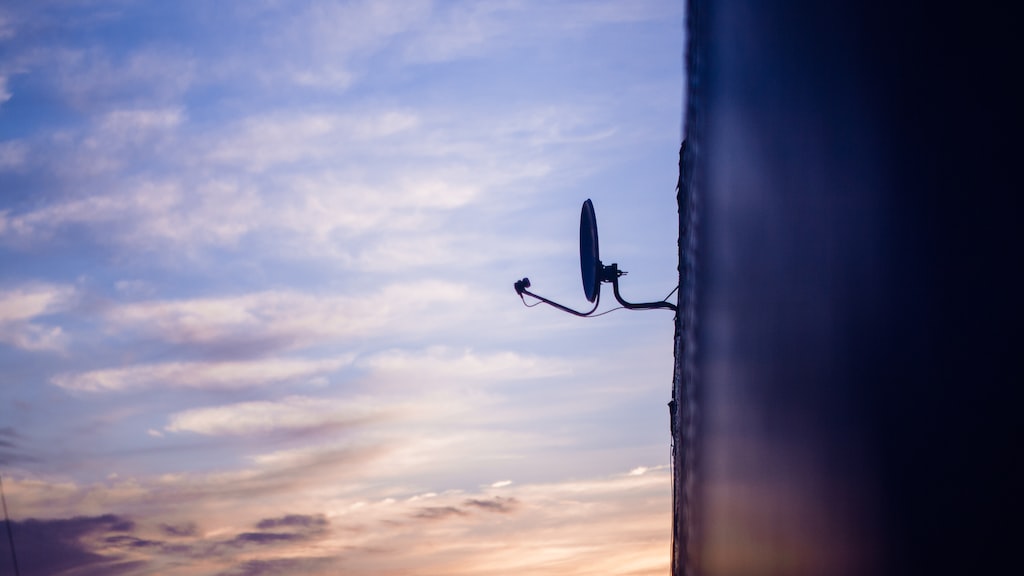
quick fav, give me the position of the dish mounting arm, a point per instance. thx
(521, 288)
(607, 274)
(612, 273)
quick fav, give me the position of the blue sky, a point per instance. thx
(256, 305)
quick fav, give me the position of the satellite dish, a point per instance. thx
(590, 256)
(593, 273)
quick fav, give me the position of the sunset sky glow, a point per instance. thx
(256, 304)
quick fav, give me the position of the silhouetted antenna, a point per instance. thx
(592, 271)
(7, 521)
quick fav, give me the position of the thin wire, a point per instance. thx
(670, 294)
(665, 299)
(587, 316)
(606, 312)
(10, 535)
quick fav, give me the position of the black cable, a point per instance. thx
(670, 294)
(10, 535)
(523, 298)
(606, 312)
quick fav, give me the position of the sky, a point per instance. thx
(256, 304)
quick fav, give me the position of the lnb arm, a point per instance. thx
(521, 288)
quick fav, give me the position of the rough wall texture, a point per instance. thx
(847, 359)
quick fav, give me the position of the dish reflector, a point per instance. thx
(590, 258)
(593, 273)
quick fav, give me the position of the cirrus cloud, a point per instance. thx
(217, 375)
(23, 306)
(290, 413)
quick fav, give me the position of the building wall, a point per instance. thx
(854, 345)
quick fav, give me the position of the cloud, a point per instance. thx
(20, 308)
(278, 320)
(182, 530)
(93, 80)
(131, 541)
(465, 364)
(146, 170)
(13, 153)
(11, 451)
(109, 544)
(279, 208)
(304, 521)
(58, 546)
(333, 40)
(125, 137)
(135, 288)
(263, 538)
(302, 526)
(587, 13)
(459, 30)
(496, 504)
(147, 202)
(283, 567)
(298, 527)
(290, 413)
(7, 434)
(7, 28)
(129, 124)
(369, 528)
(260, 143)
(334, 46)
(247, 494)
(304, 182)
(27, 302)
(468, 30)
(305, 186)
(216, 375)
(438, 512)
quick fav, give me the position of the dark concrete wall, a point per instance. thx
(856, 344)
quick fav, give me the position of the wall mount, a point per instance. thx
(593, 273)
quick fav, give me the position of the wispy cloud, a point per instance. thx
(21, 310)
(437, 512)
(273, 243)
(334, 39)
(58, 545)
(278, 320)
(455, 365)
(497, 504)
(93, 79)
(7, 29)
(13, 154)
(218, 375)
(260, 143)
(451, 532)
(27, 302)
(313, 184)
(110, 211)
(12, 450)
(304, 521)
(290, 413)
